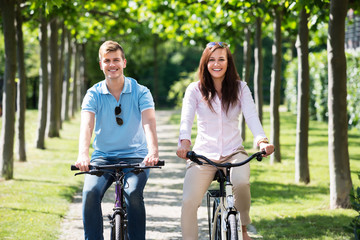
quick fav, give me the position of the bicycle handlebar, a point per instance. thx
(121, 166)
(194, 157)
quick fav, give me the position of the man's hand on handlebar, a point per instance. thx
(152, 158)
(83, 163)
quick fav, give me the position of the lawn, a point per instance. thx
(33, 204)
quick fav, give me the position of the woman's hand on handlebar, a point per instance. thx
(268, 148)
(183, 148)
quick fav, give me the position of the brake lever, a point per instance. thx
(92, 172)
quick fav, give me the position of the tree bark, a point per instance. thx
(61, 71)
(245, 73)
(302, 173)
(8, 103)
(258, 68)
(339, 164)
(43, 84)
(74, 97)
(67, 74)
(156, 70)
(275, 86)
(53, 108)
(21, 89)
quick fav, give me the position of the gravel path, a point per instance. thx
(163, 194)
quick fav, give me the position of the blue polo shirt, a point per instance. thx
(112, 140)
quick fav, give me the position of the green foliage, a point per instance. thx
(319, 86)
(353, 87)
(355, 203)
(177, 90)
(290, 76)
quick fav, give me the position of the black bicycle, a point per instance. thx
(118, 218)
(224, 220)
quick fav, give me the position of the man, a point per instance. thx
(121, 113)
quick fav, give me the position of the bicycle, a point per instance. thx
(118, 221)
(224, 220)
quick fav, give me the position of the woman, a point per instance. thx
(218, 99)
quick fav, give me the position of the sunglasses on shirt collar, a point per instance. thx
(221, 44)
(119, 120)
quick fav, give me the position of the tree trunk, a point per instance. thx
(275, 86)
(53, 108)
(74, 97)
(61, 71)
(43, 84)
(67, 74)
(245, 72)
(8, 103)
(302, 173)
(339, 164)
(156, 70)
(84, 81)
(258, 69)
(21, 89)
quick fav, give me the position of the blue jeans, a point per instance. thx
(94, 190)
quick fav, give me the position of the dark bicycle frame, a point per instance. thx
(118, 174)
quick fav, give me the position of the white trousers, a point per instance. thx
(198, 179)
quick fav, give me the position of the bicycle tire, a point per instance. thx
(218, 220)
(232, 233)
(118, 228)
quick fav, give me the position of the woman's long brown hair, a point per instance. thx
(230, 84)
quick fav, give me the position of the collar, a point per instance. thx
(126, 89)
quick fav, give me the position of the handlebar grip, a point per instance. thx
(190, 154)
(160, 163)
(74, 168)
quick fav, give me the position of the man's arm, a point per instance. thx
(149, 125)
(86, 129)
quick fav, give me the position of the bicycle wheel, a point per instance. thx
(118, 228)
(217, 235)
(232, 233)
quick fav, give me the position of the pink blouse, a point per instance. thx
(218, 132)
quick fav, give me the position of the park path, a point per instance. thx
(163, 194)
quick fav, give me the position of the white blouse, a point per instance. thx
(218, 132)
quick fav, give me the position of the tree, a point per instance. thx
(67, 74)
(44, 79)
(302, 173)
(8, 104)
(246, 71)
(21, 87)
(54, 99)
(339, 165)
(275, 84)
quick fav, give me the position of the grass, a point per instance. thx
(33, 204)
(283, 209)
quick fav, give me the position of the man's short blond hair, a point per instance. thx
(110, 46)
